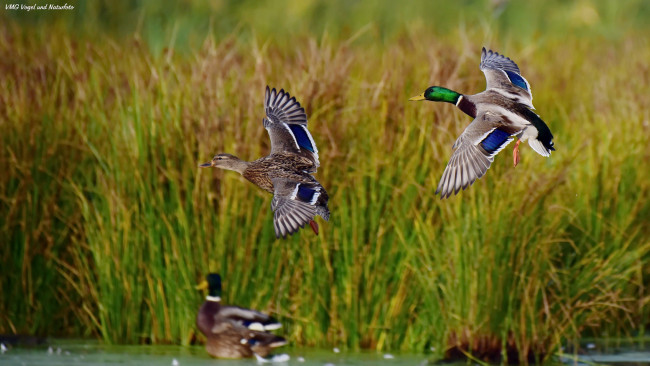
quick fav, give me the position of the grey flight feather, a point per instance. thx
(235, 316)
(290, 214)
(493, 60)
(282, 110)
(236, 312)
(470, 161)
(494, 66)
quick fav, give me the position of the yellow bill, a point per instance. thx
(202, 286)
(418, 97)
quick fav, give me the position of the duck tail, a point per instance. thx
(323, 212)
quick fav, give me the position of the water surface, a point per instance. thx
(84, 353)
(95, 354)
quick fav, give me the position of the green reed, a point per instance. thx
(109, 223)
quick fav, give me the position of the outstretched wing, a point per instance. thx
(286, 122)
(475, 151)
(295, 204)
(503, 75)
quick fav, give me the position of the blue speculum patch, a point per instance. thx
(302, 137)
(495, 140)
(306, 194)
(517, 80)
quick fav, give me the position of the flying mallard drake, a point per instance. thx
(231, 331)
(503, 111)
(286, 172)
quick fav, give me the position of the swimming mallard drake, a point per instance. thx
(286, 172)
(231, 331)
(501, 112)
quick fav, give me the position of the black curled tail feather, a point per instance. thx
(544, 134)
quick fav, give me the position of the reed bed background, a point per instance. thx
(107, 223)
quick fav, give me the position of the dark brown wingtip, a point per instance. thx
(314, 226)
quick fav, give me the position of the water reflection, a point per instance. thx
(95, 354)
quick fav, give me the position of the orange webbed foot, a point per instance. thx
(515, 153)
(314, 226)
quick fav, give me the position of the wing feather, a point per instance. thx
(503, 76)
(470, 161)
(296, 202)
(286, 123)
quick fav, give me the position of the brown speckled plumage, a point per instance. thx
(286, 172)
(280, 165)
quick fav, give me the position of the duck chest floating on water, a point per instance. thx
(232, 331)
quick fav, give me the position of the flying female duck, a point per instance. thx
(502, 112)
(231, 331)
(286, 172)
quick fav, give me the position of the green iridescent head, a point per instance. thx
(438, 94)
(213, 284)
